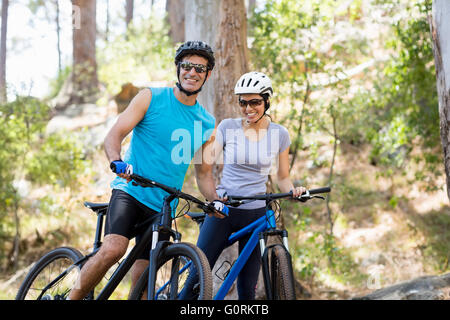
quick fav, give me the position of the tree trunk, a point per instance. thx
(231, 62)
(251, 7)
(58, 37)
(440, 28)
(175, 16)
(5, 4)
(201, 23)
(129, 9)
(231, 56)
(108, 18)
(84, 73)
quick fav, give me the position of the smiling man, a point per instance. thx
(153, 116)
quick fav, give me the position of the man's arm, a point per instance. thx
(204, 170)
(132, 115)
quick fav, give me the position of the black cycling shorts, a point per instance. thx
(124, 214)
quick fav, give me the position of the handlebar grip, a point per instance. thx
(320, 190)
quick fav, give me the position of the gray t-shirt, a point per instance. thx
(247, 164)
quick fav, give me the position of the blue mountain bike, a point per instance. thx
(276, 259)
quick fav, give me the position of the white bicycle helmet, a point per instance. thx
(254, 82)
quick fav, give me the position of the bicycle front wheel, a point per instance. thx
(281, 274)
(175, 265)
(56, 263)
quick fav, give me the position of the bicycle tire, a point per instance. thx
(281, 273)
(176, 250)
(68, 256)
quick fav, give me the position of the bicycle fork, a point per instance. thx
(271, 226)
(282, 233)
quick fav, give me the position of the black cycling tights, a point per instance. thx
(212, 240)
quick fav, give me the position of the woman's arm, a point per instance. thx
(284, 180)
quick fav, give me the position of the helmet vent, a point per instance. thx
(253, 82)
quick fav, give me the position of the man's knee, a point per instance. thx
(113, 248)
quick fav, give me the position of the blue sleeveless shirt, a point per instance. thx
(163, 144)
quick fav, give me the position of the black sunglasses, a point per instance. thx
(252, 103)
(199, 68)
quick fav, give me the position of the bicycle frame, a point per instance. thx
(152, 233)
(258, 229)
(264, 225)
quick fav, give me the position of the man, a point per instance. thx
(156, 116)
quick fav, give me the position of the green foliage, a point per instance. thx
(404, 101)
(145, 54)
(58, 160)
(318, 251)
(21, 122)
(307, 49)
(391, 104)
(27, 153)
(303, 50)
(55, 85)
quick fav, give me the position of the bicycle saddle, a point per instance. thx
(96, 207)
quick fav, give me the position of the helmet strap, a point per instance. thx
(266, 107)
(260, 117)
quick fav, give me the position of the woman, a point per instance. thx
(251, 145)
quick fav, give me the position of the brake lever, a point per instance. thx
(304, 198)
(233, 203)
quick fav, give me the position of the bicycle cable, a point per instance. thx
(182, 212)
(275, 210)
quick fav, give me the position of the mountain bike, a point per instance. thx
(276, 259)
(54, 275)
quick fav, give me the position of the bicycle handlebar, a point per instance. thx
(320, 190)
(147, 183)
(233, 201)
(238, 200)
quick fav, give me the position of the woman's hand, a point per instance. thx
(298, 191)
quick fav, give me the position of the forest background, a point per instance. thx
(354, 83)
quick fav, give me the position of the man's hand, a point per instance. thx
(122, 169)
